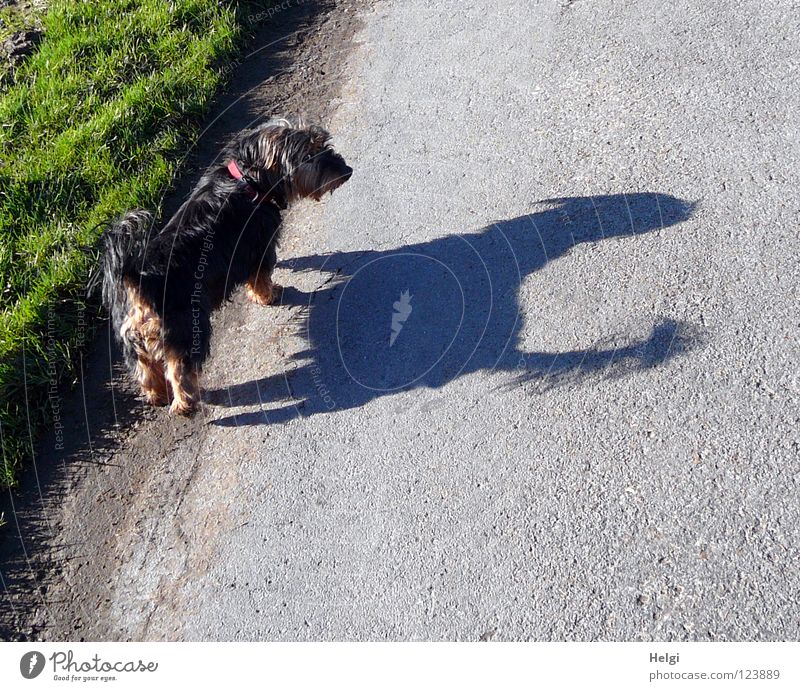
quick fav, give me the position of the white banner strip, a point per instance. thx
(378, 666)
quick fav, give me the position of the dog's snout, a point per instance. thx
(348, 172)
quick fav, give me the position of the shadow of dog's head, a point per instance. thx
(299, 160)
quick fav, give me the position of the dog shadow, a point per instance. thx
(423, 315)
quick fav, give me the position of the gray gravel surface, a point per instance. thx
(536, 373)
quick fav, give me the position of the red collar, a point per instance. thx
(256, 196)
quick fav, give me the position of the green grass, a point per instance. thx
(20, 16)
(93, 123)
(16, 17)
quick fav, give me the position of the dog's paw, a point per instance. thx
(184, 407)
(265, 297)
(158, 395)
(157, 398)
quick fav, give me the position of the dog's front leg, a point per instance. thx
(260, 288)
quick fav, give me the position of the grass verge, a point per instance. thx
(91, 124)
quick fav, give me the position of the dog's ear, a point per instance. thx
(259, 153)
(318, 137)
(265, 147)
(272, 180)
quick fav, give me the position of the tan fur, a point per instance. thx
(162, 376)
(261, 289)
(144, 325)
(185, 383)
(153, 381)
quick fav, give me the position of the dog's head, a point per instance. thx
(291, 161)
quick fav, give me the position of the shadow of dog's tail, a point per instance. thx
(668, 339)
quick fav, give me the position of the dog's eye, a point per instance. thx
(315, 154)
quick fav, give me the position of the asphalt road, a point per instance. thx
(536, 376)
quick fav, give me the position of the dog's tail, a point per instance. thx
(123, 247)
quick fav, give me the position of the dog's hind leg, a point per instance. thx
(184, 378)
(140, 335)
(187, 337)
(153, 379)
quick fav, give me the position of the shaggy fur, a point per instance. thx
(161, 288)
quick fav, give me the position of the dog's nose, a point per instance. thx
(348, 172)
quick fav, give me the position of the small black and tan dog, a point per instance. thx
(160, 287)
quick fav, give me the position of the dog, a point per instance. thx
(160, 289)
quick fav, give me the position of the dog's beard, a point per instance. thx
(311, 182)
(329, 185)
